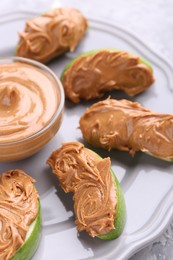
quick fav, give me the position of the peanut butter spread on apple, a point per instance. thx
(81, 171)
(18, 209)
(128, 126)
(91, 75)
(52, 34)
(28, 101)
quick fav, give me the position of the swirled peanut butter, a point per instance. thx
(18, 209)
(81, 171)
(52, 34)
(92, 74)
(128, 126)
(28, 101)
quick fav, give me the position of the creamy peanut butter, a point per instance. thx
(51, 34)
(128, 126)
(91, 75)
(18, 209)
(28, 101)
(81, 171)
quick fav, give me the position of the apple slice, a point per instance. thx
(99, 203)
(20, 216)
(93, 73)
(128, 126)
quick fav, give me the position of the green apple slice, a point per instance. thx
(27, 250)
(78, 167)
(142, 60)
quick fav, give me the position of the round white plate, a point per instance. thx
(147, 182)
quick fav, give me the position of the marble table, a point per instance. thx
(152, 22)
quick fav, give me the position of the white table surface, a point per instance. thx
(152, 22)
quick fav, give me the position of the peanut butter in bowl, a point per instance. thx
(31, 107)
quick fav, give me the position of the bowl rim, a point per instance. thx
(60, 87)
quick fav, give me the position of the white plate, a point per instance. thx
(146, 181)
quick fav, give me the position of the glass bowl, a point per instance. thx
(27, 146)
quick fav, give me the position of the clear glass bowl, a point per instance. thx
(16, 150)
